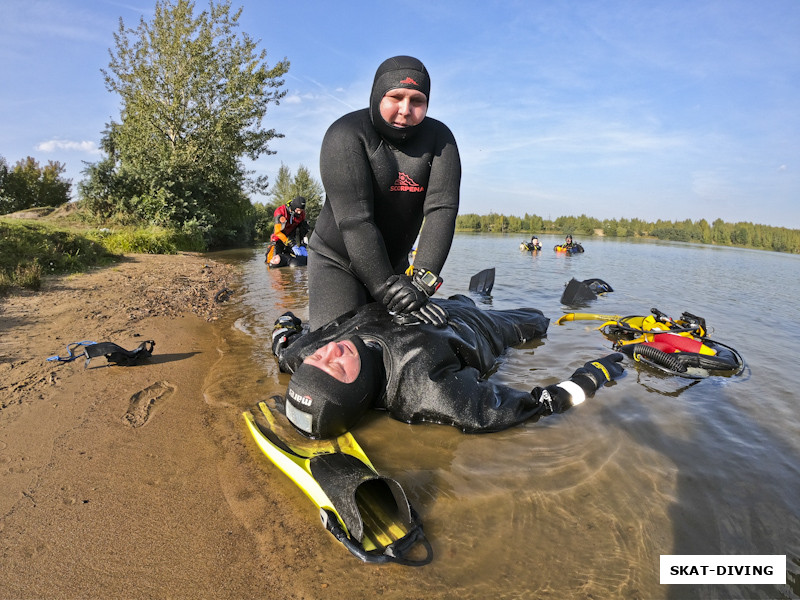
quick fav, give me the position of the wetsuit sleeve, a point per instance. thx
(441, 204)
(302, 228)
(347, 179)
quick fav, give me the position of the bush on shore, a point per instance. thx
(32, 248)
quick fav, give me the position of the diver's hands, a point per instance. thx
(399, 295)
(429, 313)
(410, 303)
(286, 326)
(288, 321)
(594, 374)
(554, 398)
(433, 314)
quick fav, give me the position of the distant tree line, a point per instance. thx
(29, 185)
(745, 234)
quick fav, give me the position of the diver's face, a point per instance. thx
(338, 359)
(403, 107)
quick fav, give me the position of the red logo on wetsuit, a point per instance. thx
(404, 183)
(409, 80)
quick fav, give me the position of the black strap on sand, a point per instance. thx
(117, 354)
(113, 353)
(70, 352)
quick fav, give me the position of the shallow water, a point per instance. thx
(582, 504)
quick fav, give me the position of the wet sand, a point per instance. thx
(117, 481)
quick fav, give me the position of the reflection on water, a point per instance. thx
(583, 504)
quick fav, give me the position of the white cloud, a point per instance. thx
(55, 145)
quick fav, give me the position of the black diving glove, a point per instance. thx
(583, 382)
(433, 314)
(430, 313)
(554, 398)
(399, 295)
(286, 326)
(594, 374)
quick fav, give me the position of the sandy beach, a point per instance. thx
(117, 481)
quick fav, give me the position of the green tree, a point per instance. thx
(4, 200)
(535, 223)
(29, 185)
(194, 93)
(282, 190)
(721, 232)
(468, 222)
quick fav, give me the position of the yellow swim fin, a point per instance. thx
(367, 512)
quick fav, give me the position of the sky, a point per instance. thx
(674, 110)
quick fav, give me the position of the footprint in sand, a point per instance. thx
(143, 400)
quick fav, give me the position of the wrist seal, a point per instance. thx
(576, 393)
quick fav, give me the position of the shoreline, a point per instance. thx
(141, 481)
(110, 475)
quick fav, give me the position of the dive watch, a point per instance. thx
(427, 281)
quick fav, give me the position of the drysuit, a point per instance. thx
(439, 375)
(287, 223)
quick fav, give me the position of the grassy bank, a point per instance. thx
(36, 244)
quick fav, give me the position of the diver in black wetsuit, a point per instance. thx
(420, 373)
(384, 168)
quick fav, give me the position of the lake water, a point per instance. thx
(579, 505)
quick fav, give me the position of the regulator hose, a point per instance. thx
(679, 362)
(659, 357)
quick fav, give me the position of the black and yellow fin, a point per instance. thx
(369, 513)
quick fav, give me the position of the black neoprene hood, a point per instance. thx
(321, 406)
(397, 72)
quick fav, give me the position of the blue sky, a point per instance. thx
(655, 110)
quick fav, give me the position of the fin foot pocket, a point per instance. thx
(367, 512)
